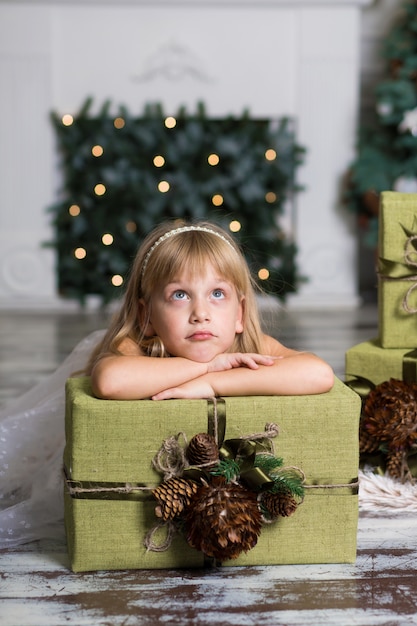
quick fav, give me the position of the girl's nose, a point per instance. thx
(200, 312)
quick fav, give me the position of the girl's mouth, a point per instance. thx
(201, 335)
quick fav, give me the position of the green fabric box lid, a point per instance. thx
(115, 442)
(371, 361)
(397, 223)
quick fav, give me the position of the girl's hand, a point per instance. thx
(202, 388)
(228, 361)
(194, 389)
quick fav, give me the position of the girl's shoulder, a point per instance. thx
(273, 347)
(128, 347)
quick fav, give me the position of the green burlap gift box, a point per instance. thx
(370, 361)
(112, 443)
(397, 270)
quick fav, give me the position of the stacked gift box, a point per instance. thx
(374, 366)
(391, 354)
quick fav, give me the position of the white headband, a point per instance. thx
(177, 231)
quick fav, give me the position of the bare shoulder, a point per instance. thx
(273, 347)
(128, 347)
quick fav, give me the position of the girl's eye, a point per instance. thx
(179, 295)
(218, 293)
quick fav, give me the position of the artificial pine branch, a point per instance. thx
(268, 463)
(228, 468)
(288, 481)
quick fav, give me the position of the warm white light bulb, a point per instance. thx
(163, 186)
(170, 122)
(80, 253)
(263, 273)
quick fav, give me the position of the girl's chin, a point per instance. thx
(199, 356)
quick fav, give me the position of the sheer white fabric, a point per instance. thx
(32, 439)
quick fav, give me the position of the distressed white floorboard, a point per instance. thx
(38, 589)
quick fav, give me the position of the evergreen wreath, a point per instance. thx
(122, 175)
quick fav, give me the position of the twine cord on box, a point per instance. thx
(216, 419)
(170, 460)
(408, 251)
(80, 489)
(271, 431)
(403, 271)
(354, 484)
(149, 542)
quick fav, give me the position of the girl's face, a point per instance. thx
(196, 317)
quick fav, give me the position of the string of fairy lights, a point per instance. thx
(163, 186)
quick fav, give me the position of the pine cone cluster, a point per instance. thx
(389, 420)
(223, 519)
(174, 494)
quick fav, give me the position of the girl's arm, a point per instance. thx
(292, 373)
(133, 376)
(140, 377)
(299, 374)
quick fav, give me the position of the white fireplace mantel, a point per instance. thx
(210, 3)
(273, 57)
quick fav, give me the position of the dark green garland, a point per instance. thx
(386, 151)
(132, 204)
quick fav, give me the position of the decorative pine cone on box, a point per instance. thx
(202, 450)
(389, 419)
(223, 519)
(173, 496)
(279, 504)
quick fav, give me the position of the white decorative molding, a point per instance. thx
(209, 3)
(26, 269)
(174, 62)
(22, 271)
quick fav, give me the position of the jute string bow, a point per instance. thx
(403, 271)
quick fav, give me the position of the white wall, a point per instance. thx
(275, 57)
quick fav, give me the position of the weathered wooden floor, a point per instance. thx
(37, 588)
(381, 588)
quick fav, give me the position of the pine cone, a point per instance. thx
(390, 417)
(223, 519)
(202, 450)
(397, 465)
(173, 496)
(368, 443)
(279, 504)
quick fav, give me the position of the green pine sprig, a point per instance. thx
(228, 468)
(285, 479)
(268, 463)
(288, 480)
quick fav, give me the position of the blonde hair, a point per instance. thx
(169, 250)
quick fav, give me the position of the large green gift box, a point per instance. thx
(370, 361)
(397, 270)
(112, 443)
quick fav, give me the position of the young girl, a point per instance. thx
(190, 298)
